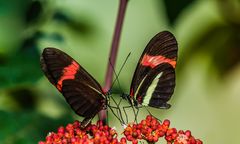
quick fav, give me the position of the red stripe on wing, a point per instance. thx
(68, 73)
(154, 61)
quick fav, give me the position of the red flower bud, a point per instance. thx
(149, 129)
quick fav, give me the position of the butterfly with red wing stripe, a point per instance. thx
(82, 92)
(153, 81)
(152, 84)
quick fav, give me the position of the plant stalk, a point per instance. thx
(113, 54)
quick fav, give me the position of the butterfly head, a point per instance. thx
(128, 98)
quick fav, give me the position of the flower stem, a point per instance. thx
(115, 44)
(113, 54)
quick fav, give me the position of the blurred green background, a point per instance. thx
(207, 94)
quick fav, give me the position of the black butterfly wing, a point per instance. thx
(151, 74)
(82, 92)
(157, 87)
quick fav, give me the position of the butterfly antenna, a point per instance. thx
(117, 105)
(116, 78)
(117, 74)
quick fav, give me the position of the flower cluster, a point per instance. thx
(149, 129)
(73, 134)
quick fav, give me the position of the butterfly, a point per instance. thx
(152, 84)
(81, 91)
(153, 81)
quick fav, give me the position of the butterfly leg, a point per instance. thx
(151, 114)
(125, 107)
(116, 115)
(119, 113)
(134, 112)
(118, 105)
(136, 115)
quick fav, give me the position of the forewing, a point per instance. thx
(157, 87)
(80, 89)
(161, 49)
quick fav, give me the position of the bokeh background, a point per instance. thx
(207, 94)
